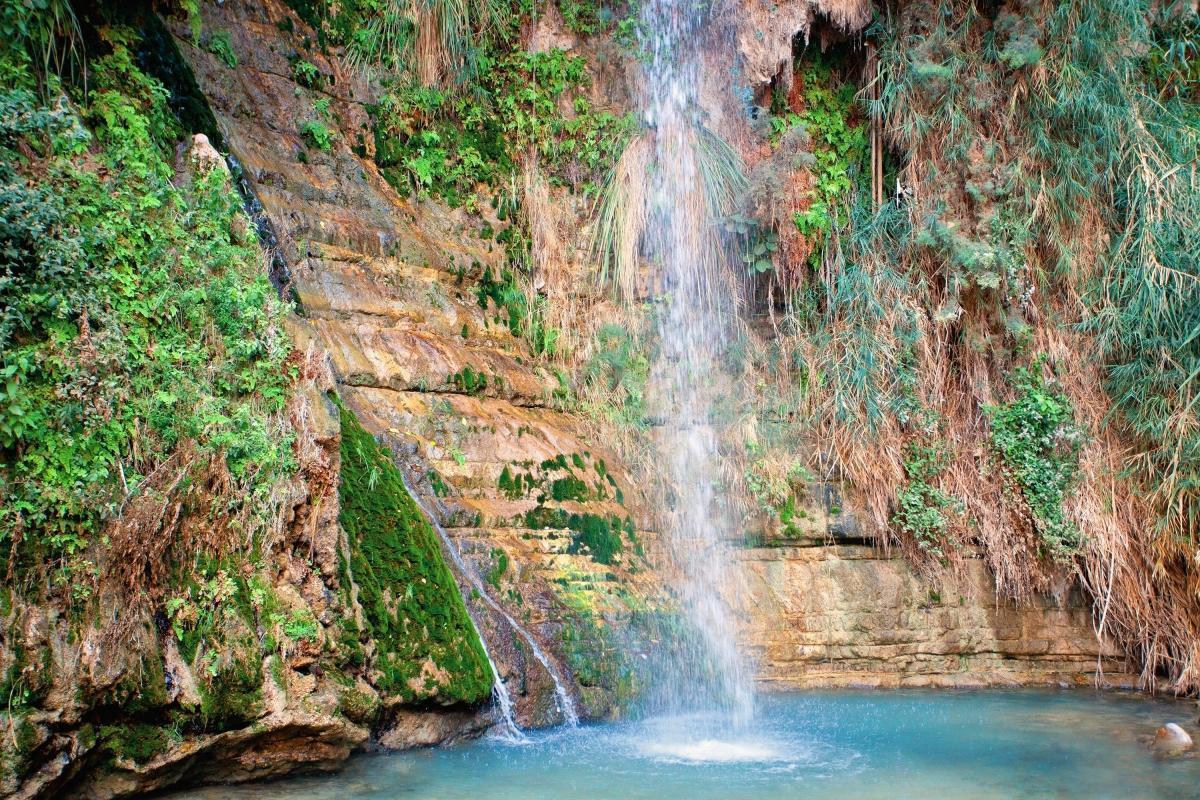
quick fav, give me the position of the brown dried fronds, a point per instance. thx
(849, 15)
(143, 541)
(621, 217)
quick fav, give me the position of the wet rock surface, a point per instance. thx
(1172, 740)
(389, 291)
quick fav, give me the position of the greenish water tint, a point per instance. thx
(1024, 744)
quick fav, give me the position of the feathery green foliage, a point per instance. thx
(1082, 181)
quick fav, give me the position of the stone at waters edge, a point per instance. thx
(1172, 739)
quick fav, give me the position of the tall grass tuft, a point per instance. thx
(623, 207)
(621, 210)
(432, 40)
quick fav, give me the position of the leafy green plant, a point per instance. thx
(923, 510)
(1038, 443)
(839, 144)
(760, 251)
(499, 567)
(42, 260)
(142, 327)
(468, 381)
(446, 143)
(522, 318)
(299, 626)
(221, 46)
(317, 134)
(590, 17)
(512, 486)
(44, 38)
(306, 73)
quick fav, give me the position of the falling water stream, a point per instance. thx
(694, 324)
(713, 740)
(563, 699)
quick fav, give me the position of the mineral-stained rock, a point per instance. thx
(278, 744)
(828, 614)
(414, 728)
(391, 293)
(1171, 739)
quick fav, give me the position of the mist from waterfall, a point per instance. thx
(697, 304)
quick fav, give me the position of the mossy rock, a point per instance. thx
(233, 698)
(361, 708)
(137, 742)
(427, 646)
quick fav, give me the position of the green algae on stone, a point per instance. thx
(600, 535)
(138, 742)
(427, 647)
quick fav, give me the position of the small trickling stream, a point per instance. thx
(510, 730)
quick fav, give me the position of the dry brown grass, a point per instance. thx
(1143, 583)
(621, 218)
(849, 15)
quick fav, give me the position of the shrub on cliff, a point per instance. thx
(141, 353)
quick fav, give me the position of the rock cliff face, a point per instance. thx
(389, 289)
(826, 607)
(845, 615)
(400, 301)
(401, 296)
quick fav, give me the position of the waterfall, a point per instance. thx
(698, 301)
(562, 698)
(501, 697)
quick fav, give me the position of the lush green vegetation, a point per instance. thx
(1038, 444)
(449, 143)
(837, 134)
(140, 345)
(412, 606)
(521, 316)
(1018, 211)
(923, 510)
(465, 106)
(1040, 203)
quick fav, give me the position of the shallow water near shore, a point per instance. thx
(843, 744)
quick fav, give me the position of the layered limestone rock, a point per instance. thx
(396, 293)
(827, 608)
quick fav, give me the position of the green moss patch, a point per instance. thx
(137, 742)
(599, 535)
(410, 601)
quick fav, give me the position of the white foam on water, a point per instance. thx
(714, 751)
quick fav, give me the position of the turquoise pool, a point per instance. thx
(844, 744)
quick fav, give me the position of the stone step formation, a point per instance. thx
(396, 294)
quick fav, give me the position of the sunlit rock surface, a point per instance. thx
(387, 288)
